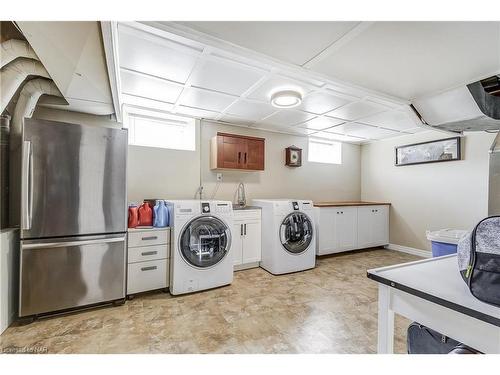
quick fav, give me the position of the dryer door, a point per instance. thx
(205, 241)
(296, 232)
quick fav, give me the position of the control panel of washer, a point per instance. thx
(205, 208)
(223, 207)
(295, 206)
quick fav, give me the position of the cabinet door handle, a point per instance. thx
(150, 268)
(239, 157)
(149, 253)
(245, 229)
(245, 158)
(241, 229)
(149, 238)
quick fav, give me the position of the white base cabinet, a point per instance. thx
(148, 259)
(373, 226)
(9, 276)
(246, 239)
(344, 228)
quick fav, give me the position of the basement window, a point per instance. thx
(156, 129)
(323, 151)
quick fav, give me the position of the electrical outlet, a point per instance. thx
(219, 177)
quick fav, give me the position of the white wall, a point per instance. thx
(163, 173)
(427, 196)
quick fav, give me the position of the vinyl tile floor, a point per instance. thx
(329, 309)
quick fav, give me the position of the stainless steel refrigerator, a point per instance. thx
(73, 216)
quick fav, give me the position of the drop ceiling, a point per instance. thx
(226, 71)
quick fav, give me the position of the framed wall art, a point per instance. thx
(448, 149)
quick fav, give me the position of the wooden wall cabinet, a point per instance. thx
(231, 151)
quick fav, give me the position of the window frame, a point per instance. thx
(336, 144)
(132, 113)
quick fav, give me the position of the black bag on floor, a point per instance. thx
(464, 349)
(479, 260)
(423, 340)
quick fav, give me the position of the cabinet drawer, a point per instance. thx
(147, 238)
(146, 253)
(146, 276)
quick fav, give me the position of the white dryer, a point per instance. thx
(201, 242)
(288, 237)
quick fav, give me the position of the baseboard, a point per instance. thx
(409, 250)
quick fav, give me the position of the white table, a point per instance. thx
(432, 292)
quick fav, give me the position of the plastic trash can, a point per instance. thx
(445, 241)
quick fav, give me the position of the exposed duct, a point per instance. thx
(475, 107)
(28, 99)
(14, 48)
(14, 74)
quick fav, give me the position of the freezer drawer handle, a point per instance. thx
(150, 238)
(150, 268)
(149, 253)
(72, 243)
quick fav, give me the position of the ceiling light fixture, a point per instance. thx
(286, 99)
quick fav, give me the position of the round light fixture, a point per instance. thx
(286, 99)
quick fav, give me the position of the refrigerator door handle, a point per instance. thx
(27, 186)
(45, 245)
(30, 187)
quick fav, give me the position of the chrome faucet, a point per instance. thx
(242, 199)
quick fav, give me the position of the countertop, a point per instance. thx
(145, 229)
(349, 203)
(239, 208)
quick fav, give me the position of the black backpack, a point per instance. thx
(423, 340)
(479, 260)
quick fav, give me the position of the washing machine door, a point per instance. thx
(205, 241)
(296, 232)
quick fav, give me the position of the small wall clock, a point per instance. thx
(293, 156)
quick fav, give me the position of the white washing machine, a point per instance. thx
(288, 237)
(201, 244)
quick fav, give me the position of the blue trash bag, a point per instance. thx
(161, 214)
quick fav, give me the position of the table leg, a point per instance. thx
(385, 321)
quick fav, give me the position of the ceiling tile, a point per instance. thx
(356, 110)
(197, 112)
(364, 131)
(251, 109)
(337, 137)
(209, 100)
(277, 83)
(146, 103)
(320, 123)
(396, 120)
(154, 55)
(319, 103)
(287, 117)
(412, 59)
(293, 42)
(418, 129)
(149, 87)
(236, 120)
(224, 76)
